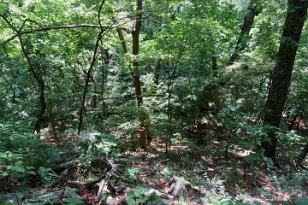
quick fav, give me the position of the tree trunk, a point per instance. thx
(302, 155)
(214, 65)
(297, 11)
(157, 72)
(245, 30)
(41, 85)
(90, 70)
(105, 63)
(135, 70)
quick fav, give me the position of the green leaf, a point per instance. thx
(138, 191)
(4, 174)
(18, 169)
(130, 201)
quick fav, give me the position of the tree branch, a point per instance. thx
(62, 27)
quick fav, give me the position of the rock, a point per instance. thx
(110, 201)
(158, 193)
(178, 186)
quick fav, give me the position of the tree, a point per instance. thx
(253, 11)
(135, 69)
(90, 70)
(281, 76)
(34, 70)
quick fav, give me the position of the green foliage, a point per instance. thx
(47, 174)
(131, 173)
(138, 196)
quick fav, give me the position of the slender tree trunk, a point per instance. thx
(214, 65)
(41, 85)
(157, 72)
(135, 52)
(297, 11)
(90, 70)
(245, 30)
(302, 155)
(171, 76)
(105, 64)
(135, 70)
(43, 111)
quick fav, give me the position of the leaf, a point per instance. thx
(130, 198)
(18, 169)
(31, 172)
(130, 201)
(4, 174)
(138, 191)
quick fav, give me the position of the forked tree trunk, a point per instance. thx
(297, 11)
(245, 30)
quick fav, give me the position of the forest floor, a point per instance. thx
(187, 174)
(212, 177)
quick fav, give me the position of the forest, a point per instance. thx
(144, 102)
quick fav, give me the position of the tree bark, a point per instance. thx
(245, 30)
(281, 76)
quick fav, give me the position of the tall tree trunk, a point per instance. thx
(105, 63)
(297, 11)
(157, 69)
(245, 30)
(135, 52)
(214, 65)
(135, 70)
